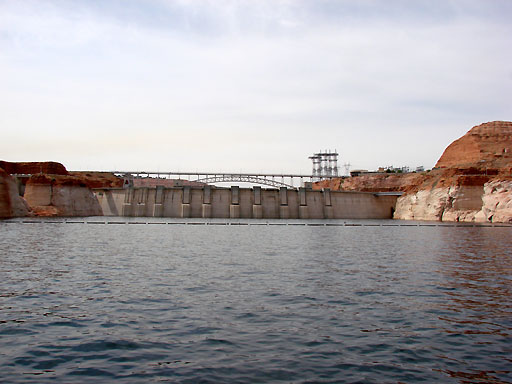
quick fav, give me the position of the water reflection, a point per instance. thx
(477, 266)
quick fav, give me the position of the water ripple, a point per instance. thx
(255, 304)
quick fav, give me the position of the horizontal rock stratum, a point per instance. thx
(487, 145)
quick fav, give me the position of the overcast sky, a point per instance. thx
(248, 85)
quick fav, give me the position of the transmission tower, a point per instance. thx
(325, 164)
(347, 168)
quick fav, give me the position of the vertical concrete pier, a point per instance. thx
(207, 202)
(158, 209)
(284, 211)
(328, 210)
(257, 209)
(185, 202)
(128, 200)
(234, 208)
(303, 204)
(141, 202)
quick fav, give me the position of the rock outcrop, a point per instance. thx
(491, 202)
(54, 195)
(487, 145)
(31, 168)
(48, 189)
(497, 202)
(456, 203)
(472, 182)
(11, 204)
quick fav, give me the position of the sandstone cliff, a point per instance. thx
(11, 204)
(491, 202)
(473, 181)
(50, 190)
(47, 167)
(59, 195)
(487, 145)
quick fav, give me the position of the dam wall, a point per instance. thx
(247, 203)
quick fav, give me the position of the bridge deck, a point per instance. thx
(197, 173)
(272, 179)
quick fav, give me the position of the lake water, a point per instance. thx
(181, 301)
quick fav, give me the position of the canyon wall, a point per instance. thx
(486, 145)
(48, 189)
(472, 180)
(11, 204)
(54, 195)
(491, 202)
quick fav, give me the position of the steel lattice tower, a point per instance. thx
(325, 164)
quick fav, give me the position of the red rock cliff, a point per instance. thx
(51, 190)
(487, 145)
(11, 204)
(47, 167)
(60, 195)
(472, 182)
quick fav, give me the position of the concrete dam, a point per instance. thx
(246, 203)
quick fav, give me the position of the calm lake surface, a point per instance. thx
(354, 301)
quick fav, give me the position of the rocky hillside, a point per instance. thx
(48, 189)
(487, 145)
(472, 181)
(60, 195)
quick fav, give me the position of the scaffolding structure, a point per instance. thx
(325, 164)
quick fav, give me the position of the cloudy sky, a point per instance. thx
(254, 85)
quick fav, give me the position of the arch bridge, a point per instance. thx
(288, 180)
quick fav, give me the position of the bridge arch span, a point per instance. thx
(244, 179)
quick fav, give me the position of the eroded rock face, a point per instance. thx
(11, 204)
(61, 196)
(422, 205)
(490, 203)
(471, 181)
(487, 145)
(497, 202)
